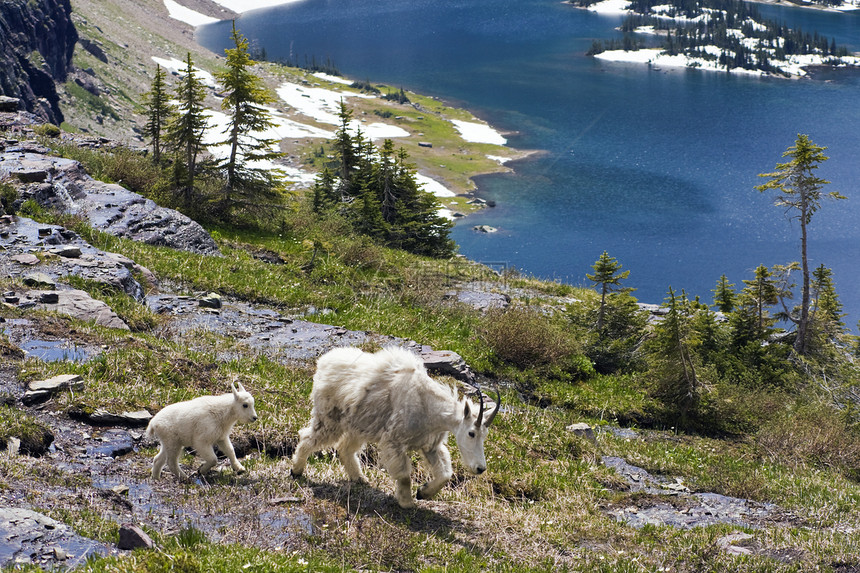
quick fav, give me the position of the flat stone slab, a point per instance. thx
(25, 259)
(131, 419)
(57, 383)
(107, 207)
(79, 304)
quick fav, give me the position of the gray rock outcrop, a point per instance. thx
(64, 185)
(32, 538)
(37, 40)
(33, 256)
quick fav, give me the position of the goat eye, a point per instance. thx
(471, 434)
(244, 405)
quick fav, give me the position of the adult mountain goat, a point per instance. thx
(200, 423)
(389, 399)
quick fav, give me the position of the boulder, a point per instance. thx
(583, 430)
(40, 280)
(446, 362)
(39, 391)
(107, 207)
(30, 175)
(129, 419)
(69, 252)
(211, 300)
(133, 537)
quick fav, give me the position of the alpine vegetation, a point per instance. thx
(200, 423)
(388, 398)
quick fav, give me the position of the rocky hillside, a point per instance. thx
(37, 41)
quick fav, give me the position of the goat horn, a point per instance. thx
(496, 409)
(480, 398)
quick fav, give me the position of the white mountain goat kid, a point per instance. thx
(200, 423)
(388, 398)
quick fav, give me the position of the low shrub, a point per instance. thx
(8, 196)
(812, 434)
(526, 338)
(47, 130)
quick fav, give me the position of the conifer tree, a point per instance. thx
(826, 314)
(760, 293)
(158, 112)
(672, 350)
(384, 174)
(418, 225)
(799, 190)
(607, 274)
(244, 99)
(725, 295)
(346, 153)
(185, 131)
(324, 194)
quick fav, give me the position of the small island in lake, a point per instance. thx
(728, 35)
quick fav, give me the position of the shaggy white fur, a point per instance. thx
(389, 399)
(200, 423)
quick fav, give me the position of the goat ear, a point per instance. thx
(241, 388)
(467, 411)
(233, 388)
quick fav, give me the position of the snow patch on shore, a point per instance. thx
(333, 79)
(178, 67)
(611, 7)
(320, 104)
(187, 15)
(478, 132)
(432, 186)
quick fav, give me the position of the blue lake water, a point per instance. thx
(657, 167)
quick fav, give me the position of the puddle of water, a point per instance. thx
(56, 350)
(114, 443)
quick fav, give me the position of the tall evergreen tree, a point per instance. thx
(346, 152)
(324, 194)
(607, 274)
(671, 349)
(418, 227)
(384, 175)
(725, 296)
(244, 99)
(760, 293)
(185, 131)
(799, 190)
(826, 314)
(158, 112)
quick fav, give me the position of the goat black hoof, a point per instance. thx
(419, 494)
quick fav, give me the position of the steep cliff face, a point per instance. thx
(37, 40)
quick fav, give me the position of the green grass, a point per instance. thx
(89, 101)
(15, 423)
(541, 504)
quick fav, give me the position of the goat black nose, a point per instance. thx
(480, 470)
